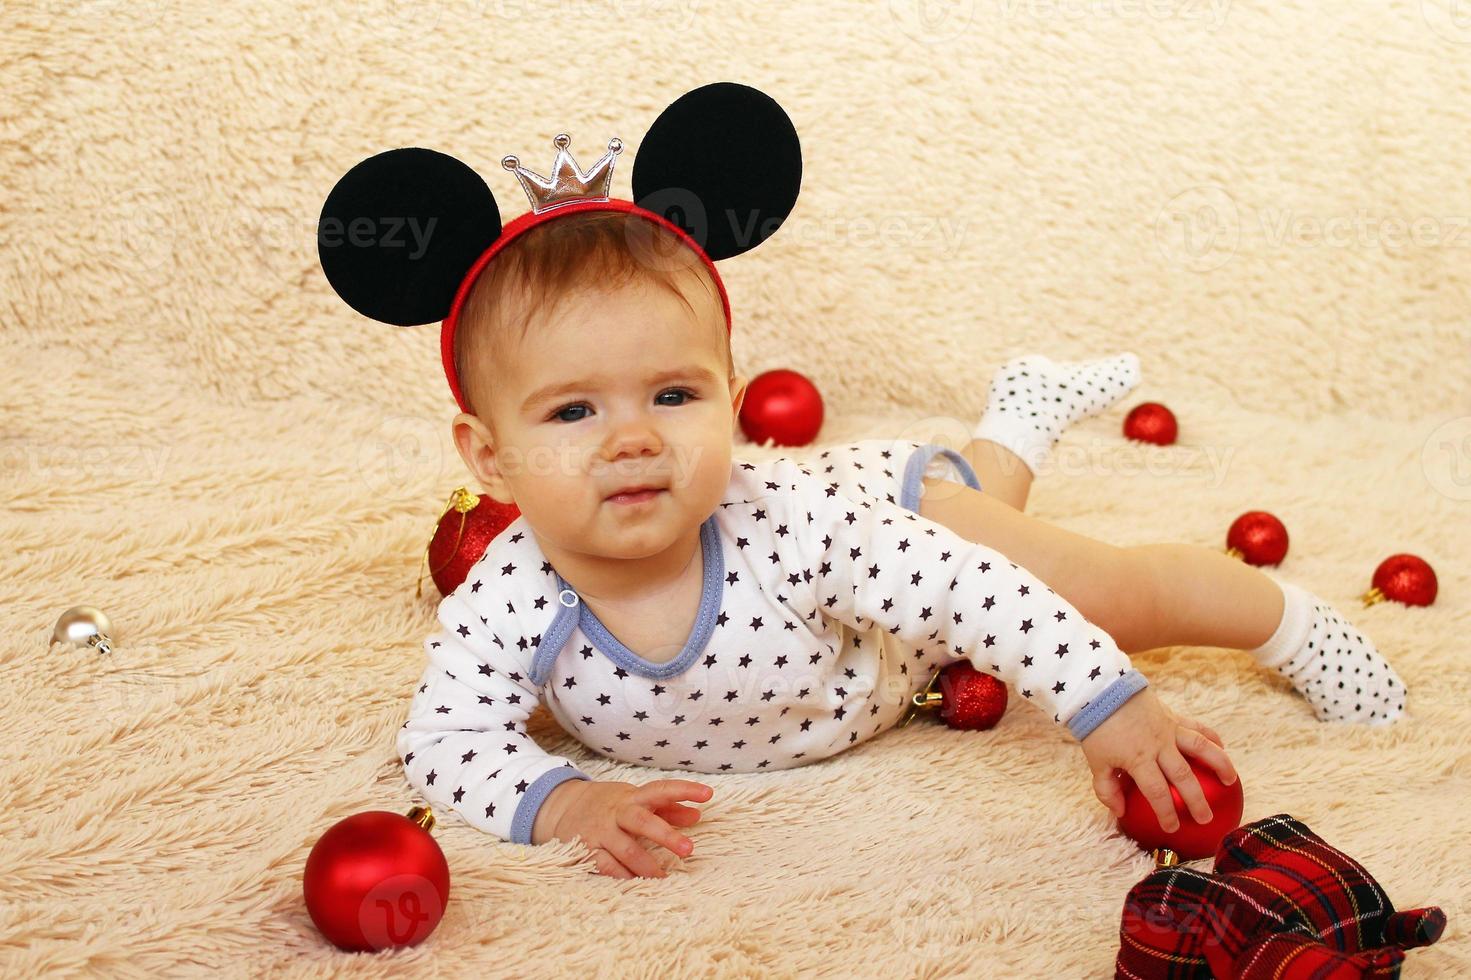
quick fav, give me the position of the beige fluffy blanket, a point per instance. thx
(1267, 201)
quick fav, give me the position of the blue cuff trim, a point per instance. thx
(536, 795)
(919, 461)
(1096, 712)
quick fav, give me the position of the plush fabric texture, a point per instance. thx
(204, 441)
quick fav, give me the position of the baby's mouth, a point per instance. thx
(636, 497)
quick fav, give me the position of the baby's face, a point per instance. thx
(618, 387)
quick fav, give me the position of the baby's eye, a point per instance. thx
(679, 391)
(685, 393)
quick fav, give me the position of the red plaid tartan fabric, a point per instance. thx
(1281, 904)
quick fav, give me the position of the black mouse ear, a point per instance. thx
(722, 162)
(400, 231)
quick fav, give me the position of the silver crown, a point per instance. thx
(567, 183)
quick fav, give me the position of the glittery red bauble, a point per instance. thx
(1403, 578)
(466, 528)
(1151, 422)
(973, 699)
(1257, 538)
(1193, 840)
(968, 698)
(782, 406)
(377, 879)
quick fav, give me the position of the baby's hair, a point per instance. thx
(550, 262)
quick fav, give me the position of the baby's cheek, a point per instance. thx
(706, 466)
(554, 471)
(566, 501)
(717, 482)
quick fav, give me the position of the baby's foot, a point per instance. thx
(1033, 399)
(1330, 663)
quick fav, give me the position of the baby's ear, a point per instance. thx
(739, 398)
(477, 448)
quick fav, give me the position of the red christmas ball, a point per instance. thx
(1257, 538)
(377, 879)
(782, 406)
(1151, 422)
(465, 529)
(972, 699)
(1193, 840)
(1403, 578)
(968, 698)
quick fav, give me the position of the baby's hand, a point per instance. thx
(611, 817)
(1145, 739)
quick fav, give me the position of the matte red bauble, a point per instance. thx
(1193, 840)
(782, 406)
(377, 879)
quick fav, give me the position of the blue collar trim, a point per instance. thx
(573, 612)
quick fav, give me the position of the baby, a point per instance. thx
(680, 608)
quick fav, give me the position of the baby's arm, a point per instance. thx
(876, 562)
(870, 561)
(464, 746)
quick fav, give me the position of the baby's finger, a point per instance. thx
(668, 790)
(1110, 794)
(635, 857)
(1156, 790)
(1177, 770)
(1194, 744)
(639, 820)
(1205, 730)
(679, 816)
(608, 865)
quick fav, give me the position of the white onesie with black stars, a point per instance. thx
(826, 604)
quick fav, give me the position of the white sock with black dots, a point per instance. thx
(1033, 399)
(1330, 663)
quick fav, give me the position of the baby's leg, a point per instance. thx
(1158, 595)
(1002, 473)
(1113, 587)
